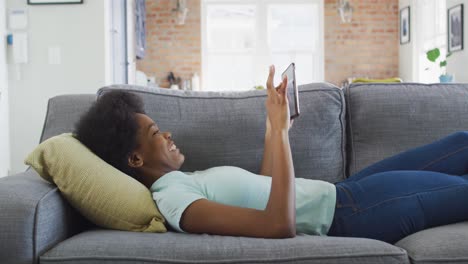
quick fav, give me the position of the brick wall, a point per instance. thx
(367, 47)
(171, 47)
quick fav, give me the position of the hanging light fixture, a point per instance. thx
(181, 12)
(345, 10)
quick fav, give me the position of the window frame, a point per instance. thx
(422, 44)
(261, 22)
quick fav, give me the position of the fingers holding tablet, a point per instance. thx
(292, 92)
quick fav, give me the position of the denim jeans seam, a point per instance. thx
(342, 205)
(423, 212)
(443, 157)
(406, 196)
(350, 197)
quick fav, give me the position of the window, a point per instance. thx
(241, 38)
(431, 14)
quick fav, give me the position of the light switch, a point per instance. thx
(17, 18)
(55, 56)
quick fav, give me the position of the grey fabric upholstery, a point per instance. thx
(228, 128)
(63, 112)
(108, 246)
(219, 128)
(443, 244)
(385, 119)
(33, 218)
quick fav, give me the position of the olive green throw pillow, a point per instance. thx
(101, 193)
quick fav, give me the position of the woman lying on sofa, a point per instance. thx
(414, 190)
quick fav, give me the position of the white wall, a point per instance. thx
(131, 42)
(80, 31)
(458, 62)
(4, 115)
(406, 63)
(411, 67)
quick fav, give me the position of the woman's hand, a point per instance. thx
(277, 104)
(267, 163)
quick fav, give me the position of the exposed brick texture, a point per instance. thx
(367, 47)
(171, 47)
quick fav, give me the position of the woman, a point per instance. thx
(414, 190)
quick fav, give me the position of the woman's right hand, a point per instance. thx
(277, 104)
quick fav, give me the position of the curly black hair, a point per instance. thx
(109, 128)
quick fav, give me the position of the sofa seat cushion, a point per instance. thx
(442, 244)
(111, 246)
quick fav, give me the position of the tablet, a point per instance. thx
(293, 94)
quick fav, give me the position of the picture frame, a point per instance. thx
(455, 28)
(53, 2)
(140, 28)
(405, 25)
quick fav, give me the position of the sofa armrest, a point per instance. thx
(34, 217)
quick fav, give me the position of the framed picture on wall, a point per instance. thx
(405, 25)
(455, 28)
(140, 28)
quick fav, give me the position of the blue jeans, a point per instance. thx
(420, 188)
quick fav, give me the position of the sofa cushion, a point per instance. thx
(34, 217)
(63, 112)
(109, 246)
(442, 244)
(100, 192)
(385, 119)
(227, 128)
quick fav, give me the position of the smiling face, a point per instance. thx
(156, 153)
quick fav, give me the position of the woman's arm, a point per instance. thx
(267, 165)
(282, 195)
(278, 220)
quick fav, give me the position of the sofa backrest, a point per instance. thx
(228, 128)
(63, 112)
(385, 119)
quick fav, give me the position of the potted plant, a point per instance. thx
(432, 56)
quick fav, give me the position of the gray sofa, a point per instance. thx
(339, 133)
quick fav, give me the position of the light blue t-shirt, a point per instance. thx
(175, 191)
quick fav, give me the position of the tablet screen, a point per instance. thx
(292, 91)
